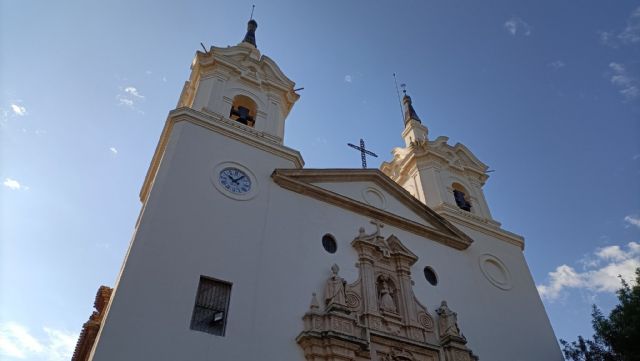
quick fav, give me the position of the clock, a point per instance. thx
(234, 180)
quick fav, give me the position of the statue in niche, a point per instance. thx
(448, 321)
(334, 292)
(385, 295)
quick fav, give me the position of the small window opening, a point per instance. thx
(212, 306)
(461, 197)
(430, 276)
(243, 110)
(329, 243)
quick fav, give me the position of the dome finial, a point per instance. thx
(252, 25)
(409, 112)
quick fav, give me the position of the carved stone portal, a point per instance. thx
(378, 316)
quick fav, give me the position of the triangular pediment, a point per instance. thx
(398, 248)
(348, 188)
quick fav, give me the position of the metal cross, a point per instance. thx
(363, 152)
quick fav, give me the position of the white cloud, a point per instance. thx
(601, 273)
(60, 344)
(557, 64)
(633, 220)
(564, 276)
(348, 78)
(605, 37)
(125, 102)
(113, 150)
(18, 110)
(515, 26)
(636, 157)
(130, 97)
(631, 33)
(628, 86)
(133, 91)
(606, 278)
(17, 341)
(14, 185)
(612, 252)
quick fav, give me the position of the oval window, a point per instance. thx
(430, 275)
(329, 243)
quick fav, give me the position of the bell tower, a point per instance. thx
(189, 282)
(242, 85)
(447, 178)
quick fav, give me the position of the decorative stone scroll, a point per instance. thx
(92, 326)
(378, 317)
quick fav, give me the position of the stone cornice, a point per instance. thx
(301, 181)
(218, 124)
(479, 224)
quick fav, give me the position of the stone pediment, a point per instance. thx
(349, 188)
(245, 57)
(458, 155)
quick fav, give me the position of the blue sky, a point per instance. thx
(547, 93)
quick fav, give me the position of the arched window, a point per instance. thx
(461, 196)
(244, 110)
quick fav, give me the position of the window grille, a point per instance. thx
(212, 305)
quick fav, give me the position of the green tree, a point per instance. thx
(617, 337)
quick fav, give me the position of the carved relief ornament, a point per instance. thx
(378, 317)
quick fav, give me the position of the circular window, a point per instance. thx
(430, 275)
(329, 243)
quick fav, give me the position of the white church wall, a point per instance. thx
(300, 266)
(500, 324)
(189, 229)
(269, 248)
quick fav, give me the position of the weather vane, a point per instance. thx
(363, 152)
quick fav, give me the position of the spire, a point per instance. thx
(250, 37)
(413, 131)
(409, 112)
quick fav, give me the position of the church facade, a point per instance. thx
(241, 253)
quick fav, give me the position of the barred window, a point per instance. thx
(212, 306)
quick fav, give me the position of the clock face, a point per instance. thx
(234, 180)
